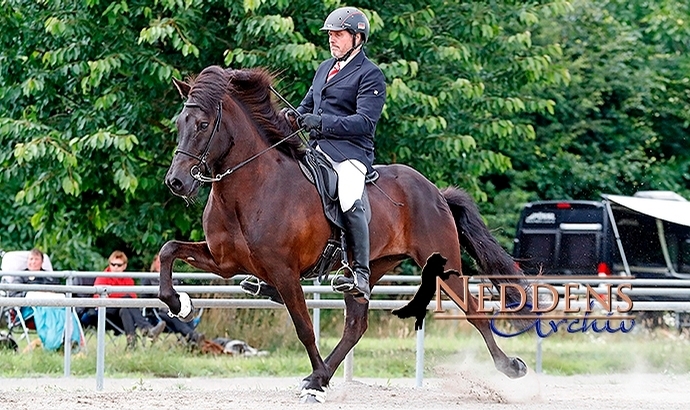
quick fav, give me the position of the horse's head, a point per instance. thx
(199, 124)
(224, 109)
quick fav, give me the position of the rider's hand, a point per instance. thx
(310, 122)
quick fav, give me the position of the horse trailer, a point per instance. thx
(644, 236)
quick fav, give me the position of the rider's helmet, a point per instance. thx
(350, 19)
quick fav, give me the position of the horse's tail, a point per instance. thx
(477, 240)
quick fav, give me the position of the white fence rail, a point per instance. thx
(661, 288)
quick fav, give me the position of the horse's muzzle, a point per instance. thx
(184, 186)
(175, 185)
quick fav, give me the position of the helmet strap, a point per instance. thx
(351, 50)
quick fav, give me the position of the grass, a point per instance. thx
(380, 355)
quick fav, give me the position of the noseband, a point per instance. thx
(195, 171)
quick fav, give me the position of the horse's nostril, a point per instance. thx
(174, 184)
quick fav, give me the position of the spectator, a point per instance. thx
(131, 317)
(174, 324)
(49, 322)
(34, 262)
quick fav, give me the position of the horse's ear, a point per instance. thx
(182, 87)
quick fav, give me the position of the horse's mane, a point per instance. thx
(250, 88)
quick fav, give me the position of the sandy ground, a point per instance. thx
(464, 387)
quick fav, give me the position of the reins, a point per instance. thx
(196, 173)
(202, 178)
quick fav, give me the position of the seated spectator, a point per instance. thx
(174, 324)
(34, 262)
(131, 317)
(49, 322)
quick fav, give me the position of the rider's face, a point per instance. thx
(339, 42)
(117, 265)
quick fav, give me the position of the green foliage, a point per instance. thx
(512, 101)
(620, 126)
(459, 86)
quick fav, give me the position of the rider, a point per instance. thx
(341, 110)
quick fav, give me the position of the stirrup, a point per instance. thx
(344, 287)
(257, 287)
(349, 287)
(250, 286)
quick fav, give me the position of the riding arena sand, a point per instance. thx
(463, 386)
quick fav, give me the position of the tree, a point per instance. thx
(87, 109)
(620, 125)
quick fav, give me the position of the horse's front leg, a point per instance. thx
(293, 296)
(196, 254)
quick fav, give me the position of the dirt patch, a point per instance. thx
(465, 387)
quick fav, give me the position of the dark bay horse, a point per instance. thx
(266, 219)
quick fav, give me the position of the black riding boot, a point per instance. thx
(357, 237)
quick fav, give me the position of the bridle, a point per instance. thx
(195, 171)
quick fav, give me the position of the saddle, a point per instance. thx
(319, 171)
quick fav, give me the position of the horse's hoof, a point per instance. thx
(305, 382)
(186, 309)
(516, 368)
(312, 396)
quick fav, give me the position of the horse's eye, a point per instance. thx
(203, 126)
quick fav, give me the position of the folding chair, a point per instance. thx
(113, 324)
(51, 325)
(16, 317)
(89, 316)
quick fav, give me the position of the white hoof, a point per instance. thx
(185, 306)
(312, 396)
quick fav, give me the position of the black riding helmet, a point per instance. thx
(350, 19)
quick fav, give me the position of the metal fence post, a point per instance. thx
(68, 333)
(419, 366)
(348, 366)
(100, 350)
(316, 320)
(538, 358)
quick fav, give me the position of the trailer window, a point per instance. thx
(579, 251)
(640, 240)
(538, 250)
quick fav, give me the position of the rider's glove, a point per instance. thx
(310, 122)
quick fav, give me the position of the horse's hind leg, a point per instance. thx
(512, 367)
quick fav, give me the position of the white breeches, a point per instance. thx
(351, 175)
